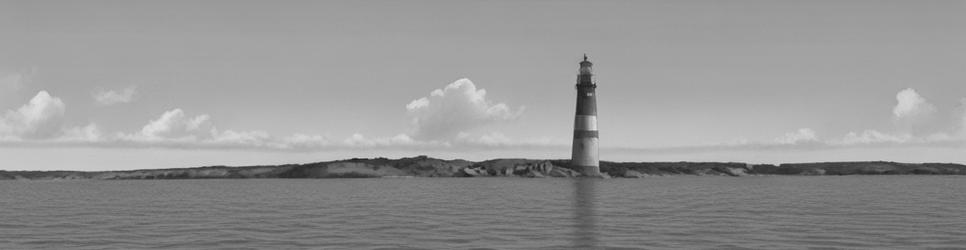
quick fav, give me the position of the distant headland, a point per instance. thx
(423, 166)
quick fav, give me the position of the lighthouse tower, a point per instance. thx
(585, 154)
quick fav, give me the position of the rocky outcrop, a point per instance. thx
(633, 174)
(423, 166)
(517, 167)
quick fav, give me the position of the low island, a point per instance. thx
(423, 166)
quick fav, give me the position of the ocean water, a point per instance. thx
(851, 212)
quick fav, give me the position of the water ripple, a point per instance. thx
(856, 212)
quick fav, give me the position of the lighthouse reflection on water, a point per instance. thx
(586, 233)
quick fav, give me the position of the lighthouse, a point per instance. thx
(585, 153)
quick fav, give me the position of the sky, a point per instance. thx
(107, 85)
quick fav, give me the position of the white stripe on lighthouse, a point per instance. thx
(585, 122)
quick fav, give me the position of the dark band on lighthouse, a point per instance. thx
(585, 147)
(585, 134)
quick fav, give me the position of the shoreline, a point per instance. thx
(423, 166)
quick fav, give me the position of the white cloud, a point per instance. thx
(802, 135)
(458, 107)
(174, 128)
(111, 97)
(461, 142)
(175, 125)
(441, 121)
(303, 141)
(498, 140)
(40, 118)
(231, 137)
(911, 105)
(489, 139)
(89, 133)
(400, 140)
(870, 136)
(356, 139)
(912, 113)
(446, 119)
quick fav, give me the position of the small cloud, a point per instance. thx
(41, 118)
(493, 139)
(914, 114)
(231, 137)
(303, 141)
(497, 139)
(174, 125)
(111, 97)
(872, 137)
(802, 135)
(458, 107)
(910, 105)
(400, 140)
(89, 133)
(356, 139)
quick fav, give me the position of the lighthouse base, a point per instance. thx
(584, 155)
(591, 171)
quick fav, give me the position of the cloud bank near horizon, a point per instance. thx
(446, 119)
(914, 125)
(449, 118)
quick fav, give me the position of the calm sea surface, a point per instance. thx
(872, 212)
